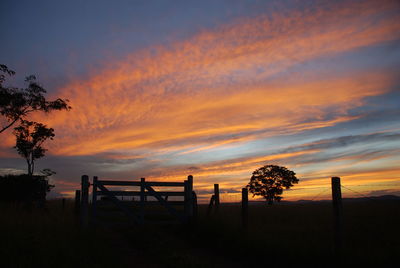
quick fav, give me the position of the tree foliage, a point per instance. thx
(30, 137)
(269, 182)
(17, 103)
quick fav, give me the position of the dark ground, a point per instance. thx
(283, 235)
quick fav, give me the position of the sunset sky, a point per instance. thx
(216, 89)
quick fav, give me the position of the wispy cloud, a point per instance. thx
(225, 81)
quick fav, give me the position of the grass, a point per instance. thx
(50, 239)
(289, 234)
(283, 235)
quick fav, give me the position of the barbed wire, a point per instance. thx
(367, 197)
(317, 195)
(229, 197)
(308, 188)
(375, 185)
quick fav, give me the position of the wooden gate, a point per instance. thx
(137, 210)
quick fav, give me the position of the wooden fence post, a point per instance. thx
(142, 199)
(188, 207)
(216, 196)
(85, 201)
(77, 205)
(94, 200)
(195, 207)
(245, 208)
(337, 216)
(190, 196)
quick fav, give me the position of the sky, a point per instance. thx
(216, 89)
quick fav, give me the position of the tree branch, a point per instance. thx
(6, 127)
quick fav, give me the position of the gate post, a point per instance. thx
(190, 195)
(186, 200)
(189, 198)
(338, 216)
(142, 198)
(85, 201)
(94, 200)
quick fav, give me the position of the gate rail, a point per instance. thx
(146, 189)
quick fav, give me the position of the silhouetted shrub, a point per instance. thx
(17, 188)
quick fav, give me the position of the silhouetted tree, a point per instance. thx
(29, 139)
(269, 181)
(17, 103)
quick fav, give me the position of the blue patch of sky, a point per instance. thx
(378, 114)
(275, 144)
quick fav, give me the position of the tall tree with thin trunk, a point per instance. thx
(17, 103)
(29, 144)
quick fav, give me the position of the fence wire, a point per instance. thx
(320, 193)
(360, 194)
(226, 197)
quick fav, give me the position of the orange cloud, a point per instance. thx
(221, 82)
(182, 120)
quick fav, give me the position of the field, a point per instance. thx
(282, 235)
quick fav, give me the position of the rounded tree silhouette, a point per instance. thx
(269, 181)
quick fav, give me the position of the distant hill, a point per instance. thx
(358, 199)
(385, 197)
(382, 197)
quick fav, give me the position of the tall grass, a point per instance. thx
(51, 238)
(283, 235)
(291, 234)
